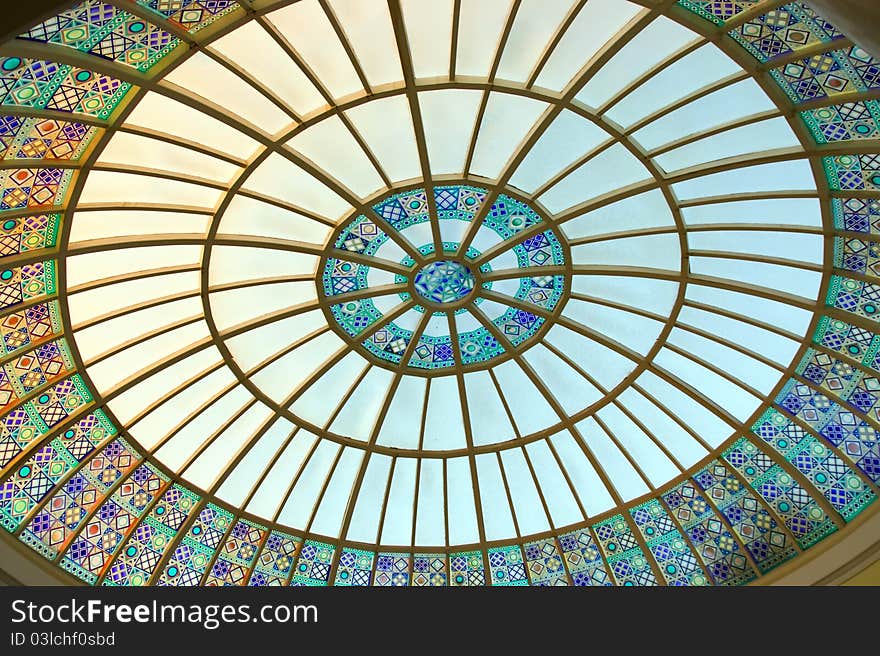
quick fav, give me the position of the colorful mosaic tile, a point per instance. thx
(23, 426)
(97, 543)
(858, 255)
(392, 570)
(784, 30)
(196, 550)
(804, 517)
(852, 435)
(718, 11)
(677, 563)
(506, 566)
(713, 543)
(191, 15)
(768, 543)
(828, 74)
(625, 557)
(23, 137)
(313, 564)
(31, 481)
(851, 342)
(28, 233)
(466, 569)
(47, 85)
(845, 122)
(22, 188)
(429, 570)
(860, 298)
(857, 214)
(59, 519)
(354, 568)
(583, 559)
(275, 563)
(853, 172)
(101, 29)
(544, 563)
(20, 329)
(237, 556)
(34, 369)
(27, 282)
(144, 549)
(840, 485)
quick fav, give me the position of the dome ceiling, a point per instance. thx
(459, 292)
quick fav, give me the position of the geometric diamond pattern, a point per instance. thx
(715, 546)
(193, 553)
(237, 555)
(768, 543)
(275, 562)
(676, 561)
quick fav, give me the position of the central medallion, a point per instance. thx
(444, 282)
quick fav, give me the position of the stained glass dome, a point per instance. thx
(459, 292)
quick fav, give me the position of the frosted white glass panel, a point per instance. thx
(460, 501)
(611, 169)
(702, 67)
(591, 491)
(300, 507)
(244, 476)
(645, 50)
(282, 179)
(596, 26)
(655, 464)
(386, 127)
(530, 515)
(103, 224)
(656, 296)
(793, 211)
(429, 34)
(568, 387)
(211, 464)
(557, 493)
(617, 468)
(448, 117)
(163, 114)
(430, 527)
(398, 526)
(402, 424)
(273, 489)
(331, 146)
(782, 176)
(479, 33)
(536, 23)
(444, 425)
(728, 104)
(247, 216)
(368, 508)
(499, 522)
(506, 123)
(655, 251)
(202, 75)
(270, 66)
(568, 138)
(647, 210)
(489, 420)
(135, 150)
(110, 187)
(757, 137)
(307, 28)
(334, 504)
(368, 29)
